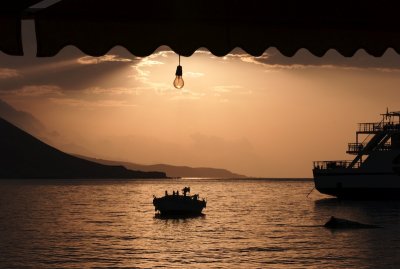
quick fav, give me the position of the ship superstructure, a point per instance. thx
(375, 170)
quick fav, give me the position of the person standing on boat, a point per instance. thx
(185, 190)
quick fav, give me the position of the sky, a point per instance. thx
(268, 116)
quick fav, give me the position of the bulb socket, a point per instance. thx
(178, 71)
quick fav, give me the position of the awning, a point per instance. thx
(96, 26)
(10, 25)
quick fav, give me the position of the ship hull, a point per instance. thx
(375, 186)
(178, 205)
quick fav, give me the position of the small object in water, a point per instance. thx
(337, 223)
(179, 204)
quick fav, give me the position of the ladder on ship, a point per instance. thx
(378, 140)
(382, 132)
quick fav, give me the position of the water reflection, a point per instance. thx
(375, 212)
(179, 217)
(370, 247)
(247, 224)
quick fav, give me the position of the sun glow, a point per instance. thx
(251, 115)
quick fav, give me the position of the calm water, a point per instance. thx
(247, 224)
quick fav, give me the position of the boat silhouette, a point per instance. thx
(374, 173)
(179, 205)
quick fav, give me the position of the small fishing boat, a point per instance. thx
(176, 204)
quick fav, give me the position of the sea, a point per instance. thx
(248, 223)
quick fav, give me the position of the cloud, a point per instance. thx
(225, 89)
(158, 87)
(35, 90)
(8, 73)
(253, 60)
(193, 74)
(71, 73)
(102, 59)
(187, 95)
(90, 104)
(273, 59)
(109, 91)
(228, 90)
(142, 74)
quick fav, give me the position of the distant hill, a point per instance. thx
(21, 119)
(24, 156)
(173, 171)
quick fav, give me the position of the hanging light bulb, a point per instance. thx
(178, 82)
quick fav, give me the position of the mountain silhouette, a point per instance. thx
(24, 156)
(173, 170)
(22, 119)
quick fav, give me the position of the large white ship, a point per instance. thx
(374, 173)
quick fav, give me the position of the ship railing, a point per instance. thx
(327, 165)
(354, 147)
(373, 127)
(370, 127)
(385, 147)
(391, 127)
